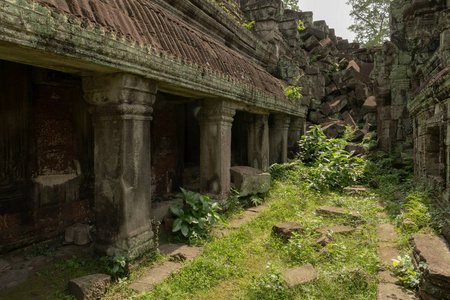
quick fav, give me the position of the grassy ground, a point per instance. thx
(246, 263)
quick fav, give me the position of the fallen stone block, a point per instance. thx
(78, 234)
(311, 43)
(89, 287)
(340, 229)
(434, 251)
(348, 118)
(354, 65)
(286, 230)
(370, 105)
(356, 189)
(299, 275)
(357, 150)
(250, 181)
(338, 212)
(386, 291)
(325, 240)
(334, 129)
(335, 105)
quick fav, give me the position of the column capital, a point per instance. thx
(297, 123)
(119, 93)
(281, 120)
(217, 110)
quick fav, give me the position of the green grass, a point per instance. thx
(236, 266)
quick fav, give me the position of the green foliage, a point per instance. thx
(300, 25)
(291, 4)
(293, 93)
(249, 25)
(406, 271)
(40, 249)
(195, 216)
(333, 70)
(72, 263)
(269, 285)
(116, 266)
(371, 21)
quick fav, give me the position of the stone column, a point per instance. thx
(296, 130)
(278, 139)
(215, 147)
(121, 113)
(258, 142)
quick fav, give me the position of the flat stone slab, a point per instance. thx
(335, 229)
(287, 229)
(325, 240)
(180, 252)
(258, 209)
(337, 211)
(357, 189)
(386, 232)
(89, 287)
(392, 291)
(250, 181)
(387, 252)
(246, 216)
(299, 275)
(155, 275)
(387, 277)
(433, 250)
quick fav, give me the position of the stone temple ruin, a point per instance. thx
(109, 106)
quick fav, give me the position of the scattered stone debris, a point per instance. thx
(299, 275)
(434, 251)
(338, 212)
(286, 230)
(250, 181)
(90, 287)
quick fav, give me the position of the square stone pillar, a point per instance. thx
(121, 113)
(297, 128)
(278, 139)
(258, 142)
(216, 119)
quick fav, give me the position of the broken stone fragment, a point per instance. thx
(299, 275)
(89, 287)
(286, 230)
(370, 105)
(250, 181)
(78, 234)
(354, 65)
(348, 119)
(335, 105)
(356, 189)
(337, 212)
(325, 240)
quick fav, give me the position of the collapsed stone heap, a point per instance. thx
(335, 74)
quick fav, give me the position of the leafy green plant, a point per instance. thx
(333, 70)
(116, 266)
(293, 93)
(74, 262)
(300, 25)
(406, 271)
(249, 25)
(196, 215)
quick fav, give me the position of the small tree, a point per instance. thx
(371, 19)
(291, 4)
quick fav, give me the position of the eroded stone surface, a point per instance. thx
(337, 212)
(154, 276)
(386, 232)
(287, 229)
(387, 291)
(4, 267)
(356, 189)
(387, 252)
(188, 252)
(250, 181)
(299, 275)
(90, 287)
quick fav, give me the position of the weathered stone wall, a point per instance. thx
(46, 161)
